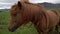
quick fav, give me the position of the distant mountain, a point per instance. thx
(50, 5)
(3, 10)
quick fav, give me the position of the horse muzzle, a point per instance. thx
(11, 29)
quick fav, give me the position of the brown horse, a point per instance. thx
(21, 13)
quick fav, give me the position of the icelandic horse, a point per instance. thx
(21, 13)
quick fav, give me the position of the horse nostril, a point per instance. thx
(15, 21)
(12, 30)
(15, 14)
(9, 29)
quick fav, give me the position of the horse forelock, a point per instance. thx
(13, 6)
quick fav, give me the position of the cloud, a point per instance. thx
(57, 1)
(8, 1)
(5, 7)
(33, 1)
(4, 3)
(40, 1)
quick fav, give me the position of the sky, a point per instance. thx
(7, 3)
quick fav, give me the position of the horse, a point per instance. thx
(22, 12)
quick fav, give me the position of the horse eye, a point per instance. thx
(15, 21)
(15, 14)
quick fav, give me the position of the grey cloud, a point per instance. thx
(8, 1)
(57, 1)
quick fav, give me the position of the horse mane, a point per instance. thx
(24, 0)
(34, 4)
(27, 2)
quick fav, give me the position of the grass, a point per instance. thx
(24, 29)
(21, 30)
(4, 18)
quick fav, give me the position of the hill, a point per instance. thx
(50, 5)
(4, 10)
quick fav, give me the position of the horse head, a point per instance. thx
(17, 19)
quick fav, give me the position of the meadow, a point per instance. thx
(24, 29)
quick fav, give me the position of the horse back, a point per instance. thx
(53, 18)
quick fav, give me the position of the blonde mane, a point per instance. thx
(27, 2)
(24, 0)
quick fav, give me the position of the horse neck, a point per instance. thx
(33, 17)
(27, 16)
(30, 15)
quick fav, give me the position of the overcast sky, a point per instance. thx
(8, 3)
(34, 1)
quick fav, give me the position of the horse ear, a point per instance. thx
(19, 4)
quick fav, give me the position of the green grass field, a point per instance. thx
(24, 29)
